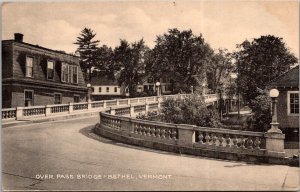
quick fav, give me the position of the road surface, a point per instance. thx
(66, 155)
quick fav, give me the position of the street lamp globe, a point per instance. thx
(233, 75)
(157, 83)
(274, 93)
(88, 85)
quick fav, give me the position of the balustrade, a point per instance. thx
(136, 100)
(9, 113)
(80, 106)
(225, 138)
(112, 123)
(59, 108)
(122, 111)
(139, 108)
(97, 104)
(153, 106)
(123, 102)
(111, 103)
(33, 111)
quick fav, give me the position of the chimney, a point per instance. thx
(19, 37)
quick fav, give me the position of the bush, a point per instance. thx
(261, 107)
(191, 110)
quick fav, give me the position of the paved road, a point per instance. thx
(72, 157)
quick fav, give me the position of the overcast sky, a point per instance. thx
(222, 23)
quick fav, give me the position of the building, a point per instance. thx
(147, 85)
(288, 102)
(104, 87)
(34, 75)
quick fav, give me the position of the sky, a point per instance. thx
(223, 24)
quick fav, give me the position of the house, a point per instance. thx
(34, 75)
(288, 102)
(104, 87)
(147, 85)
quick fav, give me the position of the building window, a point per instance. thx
(28, 97)
(100, 90)
(64, 72)
(76, 98)
(50, 70)
(116, 89)
(29, 66)
(57, 98)
(107, 89)
(293, 103)
(73, 74)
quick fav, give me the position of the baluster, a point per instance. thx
(153, 132)
(257, 143)
(163, 133)
(242, 142)
(228, 140)
(149, 131)
(214, 139)
(235, 140)
(157, 131)
(250, 143)
(136, 128)
(200, 137)
(207, 138)
(174, 134)
(221, 139)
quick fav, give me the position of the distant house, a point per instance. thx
(34, 75)
(288, 102)
(147, 85)
(104, 87)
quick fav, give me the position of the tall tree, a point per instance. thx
(87, 48)
(219, 69)
(181, 56)
(260, 61)
(129, 63)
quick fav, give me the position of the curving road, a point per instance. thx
(66, 155)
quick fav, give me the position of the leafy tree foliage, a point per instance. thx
(191, 110)
(260, 61)
(87, 48)
(182, 56)
(129, 63)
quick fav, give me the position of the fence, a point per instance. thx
(94, 106)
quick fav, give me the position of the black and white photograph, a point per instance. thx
(143, 95)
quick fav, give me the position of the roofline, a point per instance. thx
(40, 47)
(280, 76)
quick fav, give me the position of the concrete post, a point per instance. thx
(186, 135)
(48, 110)
(89, 105)
(275, 143)
(104, 104)
(19, 113)
(112, 111)
(131, 111)
(71, 107)
(117, 102)
(146, 108)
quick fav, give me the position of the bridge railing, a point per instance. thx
(58, 109)
(212, 142)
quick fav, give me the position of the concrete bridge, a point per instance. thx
(67, 155)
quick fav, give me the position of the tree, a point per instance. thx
(219, 70)
(181, 56)
(87, 48)
(105, 61)
(129, 64)
(260, 61)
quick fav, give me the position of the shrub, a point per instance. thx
(261, 107)
(191, 110)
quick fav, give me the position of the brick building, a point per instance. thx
(34, 75)
(288, 102)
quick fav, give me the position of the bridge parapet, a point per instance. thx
(20, 113)
(204, 141)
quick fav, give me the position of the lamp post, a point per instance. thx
(234, 76)
(274, 124)
(89, 92)
(157, 85)
(192, 89)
